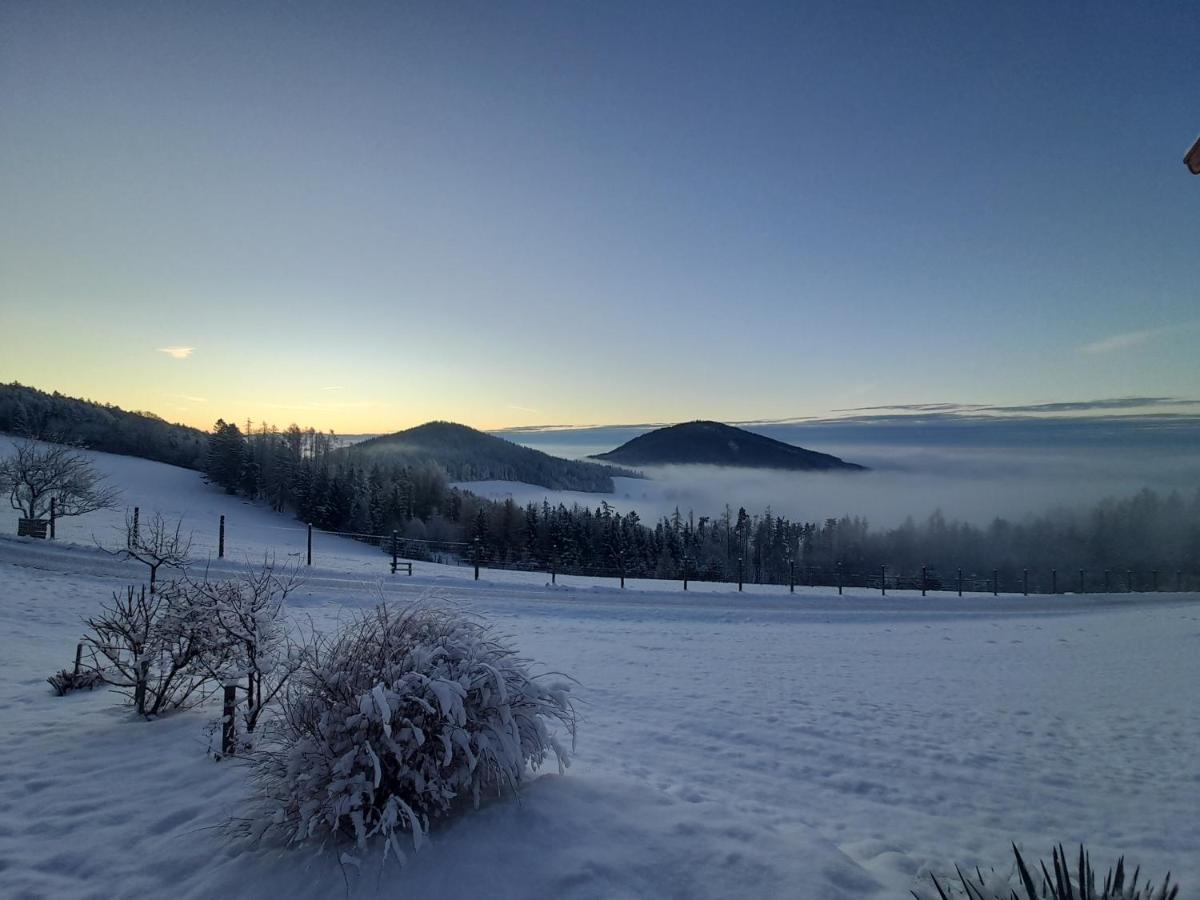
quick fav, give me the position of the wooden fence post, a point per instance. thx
(883, 581)
(309, 544)
(791, 575)
(924, 580)
(839, 578)
(229, 720)
(685, 571)
(221, 539)
(960, 582)
(739, 573)
(78, 657)
(53, 515)
(476, 559)
(395, 550)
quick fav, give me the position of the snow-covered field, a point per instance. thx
(760, 744)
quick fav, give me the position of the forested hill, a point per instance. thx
(470, 455)
(98, 426)
(715, 444)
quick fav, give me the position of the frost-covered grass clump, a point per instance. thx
(1064, 881)
(397, 719)
(65, 681)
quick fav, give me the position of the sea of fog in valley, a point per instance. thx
(1020, 474)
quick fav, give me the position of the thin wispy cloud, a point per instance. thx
(522, 408)
(188, 398)
(334, 387)
(1127, 339)
(177, 352)
(322, 407)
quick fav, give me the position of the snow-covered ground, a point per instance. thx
(755, 744)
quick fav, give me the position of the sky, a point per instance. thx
(364, 216)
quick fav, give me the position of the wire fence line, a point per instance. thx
(403, 552)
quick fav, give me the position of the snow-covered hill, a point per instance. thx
(758, 744)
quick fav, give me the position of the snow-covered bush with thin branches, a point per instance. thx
(247, 617)
(398, 719)
(159, 649)
(1062, 881)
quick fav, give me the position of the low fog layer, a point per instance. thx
(974, 485)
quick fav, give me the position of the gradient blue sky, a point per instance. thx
(365, 216)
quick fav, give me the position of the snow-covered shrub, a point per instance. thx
(158, 648)
(66, 680)
(1063, 882)
(394, 721)
(246, 614)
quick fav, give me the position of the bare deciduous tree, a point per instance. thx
(155, 543)
(37, 472)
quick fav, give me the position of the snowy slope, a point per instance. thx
(754, 745)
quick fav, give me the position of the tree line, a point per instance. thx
(29, 412)
(304, 472)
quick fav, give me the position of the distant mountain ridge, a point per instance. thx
(716, 444)
(467, 454)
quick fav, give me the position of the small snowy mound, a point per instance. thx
(397, 718)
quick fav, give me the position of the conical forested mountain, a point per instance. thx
(470, 455)
(715, 444)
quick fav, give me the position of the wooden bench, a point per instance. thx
(401, 564)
